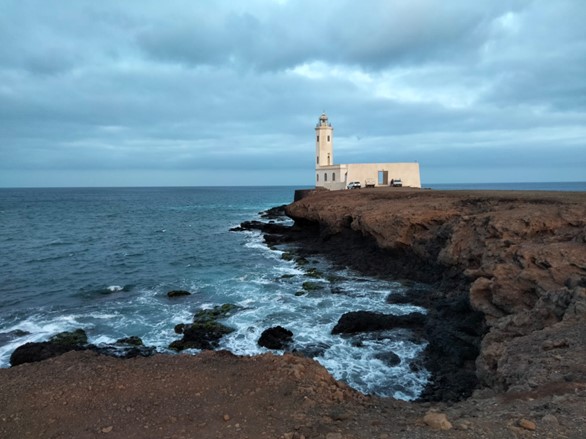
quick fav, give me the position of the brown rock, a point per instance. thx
(437, 421)
(519, 255)
(526, 424)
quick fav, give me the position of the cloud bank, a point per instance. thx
(217, 93)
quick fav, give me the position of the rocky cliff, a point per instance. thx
(519, 257)
(516, 260)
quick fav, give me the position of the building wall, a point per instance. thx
(366, 172)
(331, 177)
(407, 172)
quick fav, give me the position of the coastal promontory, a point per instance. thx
(502, 276)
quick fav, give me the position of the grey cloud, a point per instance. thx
(375, 35)
(138, 85)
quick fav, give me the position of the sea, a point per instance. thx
(103, 259)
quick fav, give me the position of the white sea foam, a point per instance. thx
(311, 318)
(265, 299)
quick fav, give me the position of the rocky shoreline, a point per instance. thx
(502, 275)
(507, 268)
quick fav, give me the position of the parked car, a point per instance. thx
(354, 185)
(396, 182)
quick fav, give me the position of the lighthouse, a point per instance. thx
(324, 141)
(341, 176)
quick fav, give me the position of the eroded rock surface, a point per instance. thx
(520, 258)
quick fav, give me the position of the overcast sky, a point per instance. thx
(183, 92)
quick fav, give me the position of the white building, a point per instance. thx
(334, 177)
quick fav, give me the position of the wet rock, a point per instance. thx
(287, 256)
(215, 313)
(124, 352)
(205, 332)
(337, 290)
(6, 337)
(389, 358)
(314, 272)
(248, 225)
(70, 338)
(276, 338)
(367, 321)
(268, 228)
(313, 350)
(178, 293)
(312, 286)
(132, 341)
(273, 213)
(454, 331)
(205, 335)
(301, 261)
(34, 352)
(77, 341)
(276, 239)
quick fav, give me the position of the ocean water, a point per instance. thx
(104, 259)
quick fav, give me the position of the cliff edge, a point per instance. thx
(517, 260)
(520, 257)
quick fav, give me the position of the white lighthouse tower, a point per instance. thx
(341, 176)
(324, 142)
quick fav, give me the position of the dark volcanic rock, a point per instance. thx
(124, 352)
(70, 338)
(366, 321)
(312, 350)
(132, 341)
(274, 213)
(5, 337)
(201, 336)
(271, 228)
(77, 341)
(205, 332)
(248, 225)
(454, 331)
(275, 338)
(389, 358)
(178, 293)
(33, 352)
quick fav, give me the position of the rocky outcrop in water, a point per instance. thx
(178, 293)
(509, 269)
(205, 332)
(365, 321)
(77, 340)
(276, 337)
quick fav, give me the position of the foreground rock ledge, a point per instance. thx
(216, 394)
